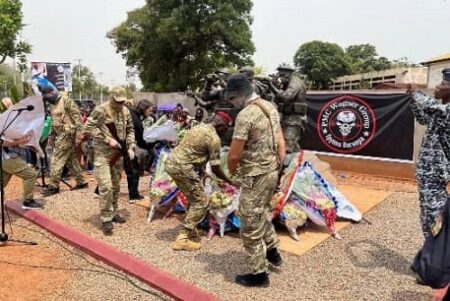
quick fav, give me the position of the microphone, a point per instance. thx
(27, 108)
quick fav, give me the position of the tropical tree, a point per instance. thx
(364, 58)
(321, 62)
(174, 43)
(11, 23)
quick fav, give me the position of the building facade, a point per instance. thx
(377, 79)
(435, 67)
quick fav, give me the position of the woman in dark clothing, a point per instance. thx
(142, 110)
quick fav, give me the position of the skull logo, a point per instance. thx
(346, 121)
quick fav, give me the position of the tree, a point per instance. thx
(90, 88)
(321, 62)
(174, 43)
(403, 63)
(364, 58)
(6, 79)
(11, 18)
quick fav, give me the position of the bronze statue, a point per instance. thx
(291, 103)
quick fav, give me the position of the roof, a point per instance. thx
(440, 58)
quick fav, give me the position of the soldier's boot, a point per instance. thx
(253, 280)
(107, 228)
(184, 243)
(50, 190)
(118, 219)
(196, 233)
(274, 257)
(80, 186)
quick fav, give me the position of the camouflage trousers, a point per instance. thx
(18, 167)
(108, 178)
(432, 198)
(190, 183)
(64, 153)
(257, 231)
(292, 134)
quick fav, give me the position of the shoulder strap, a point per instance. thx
(267, 114)
(110, 114)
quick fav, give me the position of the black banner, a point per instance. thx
(375, 125)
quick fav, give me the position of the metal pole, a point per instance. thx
(101, 87)
(79, 76)
(14, 70)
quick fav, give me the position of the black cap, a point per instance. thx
(446, 74)
(237, 85)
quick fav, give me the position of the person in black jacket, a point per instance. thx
(142, 110)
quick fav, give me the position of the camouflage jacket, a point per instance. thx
(200, 145)
(252, 125)
(66, 116)
(102, 115)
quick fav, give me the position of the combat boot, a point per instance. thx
(274, 257)
(184, 243)
(107, 228)
(80, 186)
(50, 191)
(118, 219)
(253, 280)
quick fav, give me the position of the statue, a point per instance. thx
(259, 84)
(212, 93)
(290, 98)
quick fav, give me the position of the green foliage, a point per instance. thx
(174, 43)
(6, 79)
(364, 58)
(321, 62)
(403, 63)
(11, 18)
(90, 88)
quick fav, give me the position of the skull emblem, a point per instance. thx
(346, 121)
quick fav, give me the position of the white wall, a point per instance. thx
(435, 73)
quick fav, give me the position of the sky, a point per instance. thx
(68, 30)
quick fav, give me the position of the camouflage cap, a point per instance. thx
(119, 94)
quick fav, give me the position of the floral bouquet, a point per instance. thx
(310, 194)
(162, 188)
(293, 216)
(289, 173)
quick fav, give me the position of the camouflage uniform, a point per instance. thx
(200, 145)
(433, 166)
(66, 125)
(258, 169)
(107, 176)
(292, 105)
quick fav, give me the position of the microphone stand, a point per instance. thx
(3, 236)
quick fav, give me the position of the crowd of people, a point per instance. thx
(269, 122)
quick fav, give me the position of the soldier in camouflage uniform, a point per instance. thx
(107, 148)
(185, 165)
(433, 165)
(291, 102)
(256, 153)
(66, 126)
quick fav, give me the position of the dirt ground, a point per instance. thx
(27, 272)
(49, 272)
